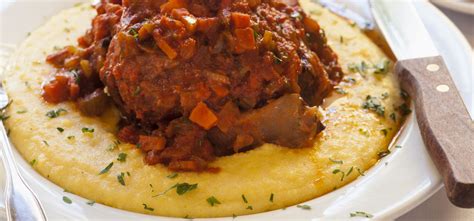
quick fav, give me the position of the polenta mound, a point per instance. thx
(76, 152)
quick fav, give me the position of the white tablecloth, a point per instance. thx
(438, 207)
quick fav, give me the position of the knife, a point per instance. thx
(445, 124)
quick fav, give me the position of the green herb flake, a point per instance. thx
(147, 208)
(87, 130)
(336, 161)
(67, 200)
(60, 129)
(384, 132)
(249, 208)
(212, 201)
(114, 145)
(172, 176)
(133, 32)
(374, 104)
(121, 179)
(244, 199)
(383, 154)
(360, 171)
(305, 207)
(349, 171)
(182, 188)
(90, 202)
(271, 197)
(46, 143)
(382, 67)
(341, 39)
(21, 111)
(361, 214)
(33, 162)
(358, 67)
(55, 113)
(404, 109)
(70, 137)
(122, 157)
(340, 91)
(393, 116)
(106, 169)
(385, 95)
(336, 171)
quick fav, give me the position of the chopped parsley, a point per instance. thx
(67, 200)
(336, 161)
(349, 171)
(404, 109)
(249, 208)
(383, 154)
(244, 199)
(55, 113)
(181, 188)
(384, 132)
(90, 202)
(46, 143)
(133, 32)
(271, 197)
(374, 104)
(336, 171)
(360, 172)
(122, 157)
(212, 201)
(21, 111)
(147, 208)
(70, 137)
(172, 176)
(33, 162)
(382, 67)
(120, 179)
(305, 207)
(340, 91)
(341, 39)
(361, 214)
(87, 130)
(393, 116)
(360, 67)
(106, 169)
(60, 129)
(385, 95)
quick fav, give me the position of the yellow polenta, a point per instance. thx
(73, 159)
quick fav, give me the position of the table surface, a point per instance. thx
(438, 206)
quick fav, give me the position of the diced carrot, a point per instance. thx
(203, 116)
(184, 165)
(240, 20)
(145, 31)
(245, 39)
(148, 143)
(268, 39)
(128, 134)
(206, 24)
(311, 25)
(57, 59)
(187, 48)
(74, 90)
(86, 68)
(172, 4)
(167, 49)
(189, 21)
(57, 90)
(220, 90)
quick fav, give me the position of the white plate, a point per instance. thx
(465, 6)
(400, 182)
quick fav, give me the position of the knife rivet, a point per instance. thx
(432, 67)
(442, 88)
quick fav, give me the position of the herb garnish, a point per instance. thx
(336, 171)
(361, 214)
(87, 130)
(244, 199)
(361, 67)
(249, 208)
(374, 104)
(90, 202)
(382, 67)
(393, 116)
(120, 179)
(114, 145)
(404, 109)
(340, 91)
(349, 172)
(21, 111)
(360, 172)
(122, 157)
(33, 162)
(46, 143)
(172, 176)
(106, 169)
(70, 137)
(67, 200)
(181, 188)
(212, 201)
(384, 132)
(55, 113)
(336, 161)
(305, 207)
(271, 197)
(60, 129)
(147, 208)
(133, 32)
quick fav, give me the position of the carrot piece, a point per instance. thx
(240, 20)
(203, 116)
(172, 4)
(245, 39)
(148, 143)
(167, 49)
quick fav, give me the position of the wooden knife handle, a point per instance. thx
(445, 125)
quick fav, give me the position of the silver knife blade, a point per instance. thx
(403, 29)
